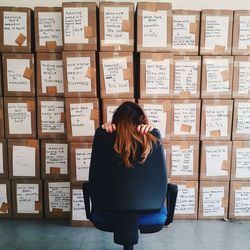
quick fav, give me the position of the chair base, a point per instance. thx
(131, 247)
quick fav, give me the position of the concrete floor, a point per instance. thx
(186, 235)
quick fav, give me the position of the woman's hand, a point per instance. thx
(142, 128)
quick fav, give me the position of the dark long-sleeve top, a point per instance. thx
(116, 186)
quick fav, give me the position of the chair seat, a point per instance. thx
(158, 218)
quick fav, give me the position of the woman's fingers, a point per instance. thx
(113, 127)
(144, 128)
(109, 127)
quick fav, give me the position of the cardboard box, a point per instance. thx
(109, 106)
(185, 120)
(80, 155)
(1, 118)
(239, 200)
(116, 22)
(20, 117)
(213, 200)
(241, 43)
(240, 170)
(241, 79)
(79, 26)
(27, 199)
(24, 159)
(216, 32)
(184, 160)
(166, 146)
(217, 77)
(216, 119)
(18, 74)
(5, 199)
(1, 79)
(57, 199)
(51, 118)
(82, 117)
(215, 162)
(79, 74)
(158, 113)
(48, 26)
(4, 168)
(78, 215)
(116, 74)
(49, 74)
(54, 159)
(187, 77)
(156, 75)
(241, 122)
(17, 31)
(186, 32)
(187, 200)
(154, 25)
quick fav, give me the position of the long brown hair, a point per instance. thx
(126, 118)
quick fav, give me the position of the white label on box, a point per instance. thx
(56, 155)
(50, 27)
(244, 32)
(185, 203)
(157, 116)
(242, 163)
(51, 112)
(244, 77)
(52, 75)
(76, 74)
(75, 19)
(186, 75)
(185, 114)
(242, 202)
(216, 31)
(24, 161)
(1, 159)
(78, 206)
(243, 119)
(113, 75)
(182, 161)
(212, 201)
(3, 196)
(154, 28)
(214, 70)
(81, 124)
(182, 38)
(113, 18)
(110, 111)
(26, 196)
(216, 119)
(14, 24)
(15, 79)
(59, 196)
(215, 155)
(83, 156)
(19, 118)
(157, 76)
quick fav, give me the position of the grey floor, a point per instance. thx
(186, 235)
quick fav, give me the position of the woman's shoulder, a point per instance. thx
(102, 133)
(156, 132)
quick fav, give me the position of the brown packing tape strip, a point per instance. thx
(1, 113)
(94, 115)
(157, 57)
(57, 211)
(126, 24)
(237, 185)
(31, 143)
(90, 73)
(167, 106)
(28, 72)
(62, 118)
(185, 94)
(31, 105)
(20, 39)
(186, 128)
(248, 48)
(215, 133)
(225, 75)
(248, 93)
(238, 144)
(224, 202)
(38, 206)
(190, 184)
(4, 207)
(50, 44)
(88, 32)
(55, 171)
(219, 49)
(127, 75)
(151, 6)
(51, 89)
(225, 165)
(193, 28)
(184, 145)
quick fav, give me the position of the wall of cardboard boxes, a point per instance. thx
(189, 70)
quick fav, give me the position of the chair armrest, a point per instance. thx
(172, 191)
(86, 197)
